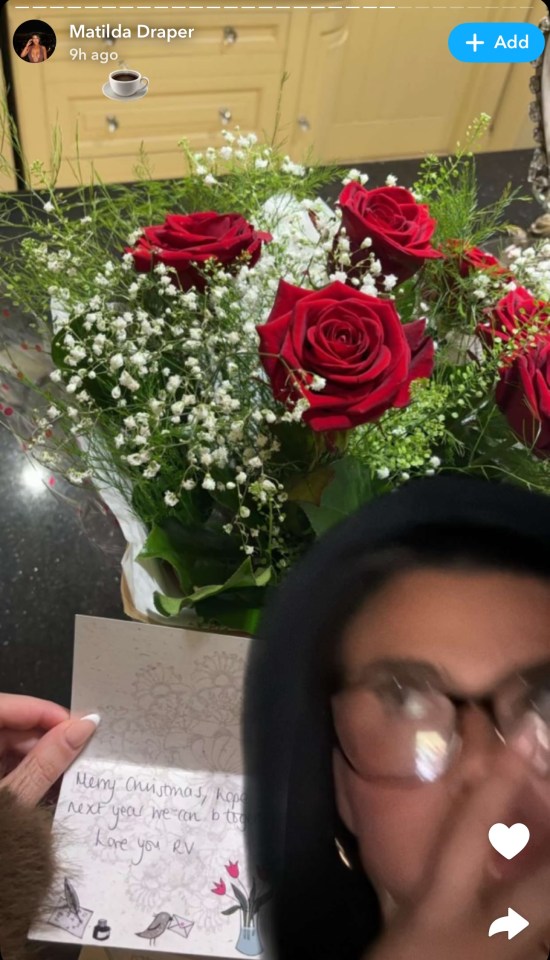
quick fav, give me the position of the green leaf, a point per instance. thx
(168, 606)
(234, 613)
(159, 545)
(59, 350)
(351, 487)
(230, 910)
(310, 487)
(245, 576)
(297, 444)
(199, 556)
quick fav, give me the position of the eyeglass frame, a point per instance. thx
(485, 701)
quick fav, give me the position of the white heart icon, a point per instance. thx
(509, 841)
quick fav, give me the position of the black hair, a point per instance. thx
(321, 910)
(462, 547)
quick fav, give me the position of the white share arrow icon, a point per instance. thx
(512, 924)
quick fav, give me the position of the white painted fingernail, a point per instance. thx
(94, 717)
(78, 733)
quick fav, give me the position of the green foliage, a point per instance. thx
(352, 485)
(449, 186)
(235, 486)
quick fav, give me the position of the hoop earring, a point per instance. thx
(343, 855)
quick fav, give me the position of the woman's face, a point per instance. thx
(35, 39)
(477, 627)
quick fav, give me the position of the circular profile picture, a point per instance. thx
(34, 41)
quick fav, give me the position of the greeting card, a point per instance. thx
(150, 822)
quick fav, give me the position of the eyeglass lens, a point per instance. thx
(396, 729)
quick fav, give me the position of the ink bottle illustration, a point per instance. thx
(102, 930)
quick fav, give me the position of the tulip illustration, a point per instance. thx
(248, 905)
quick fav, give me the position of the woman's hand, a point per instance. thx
(38, 742)
(461, 899)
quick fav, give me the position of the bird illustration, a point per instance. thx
(157, 926)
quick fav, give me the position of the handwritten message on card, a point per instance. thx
(151, 818)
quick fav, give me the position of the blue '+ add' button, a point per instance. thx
(496, 42)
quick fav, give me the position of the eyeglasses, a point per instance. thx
(398, 722)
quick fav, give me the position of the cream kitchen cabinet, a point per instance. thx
(228, 73)
(363, 84)
(382, 84)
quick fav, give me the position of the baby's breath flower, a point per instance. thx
(170, 499)
(116, 361)
(128, 381)
(318, 383)
(151, 470)
(375, 268)
(362, 178)
(173, 383)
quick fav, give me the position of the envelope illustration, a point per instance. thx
(181, 925)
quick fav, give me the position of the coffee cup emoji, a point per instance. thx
(125, 82)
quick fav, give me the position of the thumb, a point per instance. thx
(50, 758)
(461, 871)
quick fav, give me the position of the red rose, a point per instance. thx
(517, 317)
(355, 342)
(474, 258)
(523, 395)
(399, 227)
(187, 242)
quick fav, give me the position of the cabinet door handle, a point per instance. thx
(112, 124)
(304, 124)
(230, 36)
(225, 115)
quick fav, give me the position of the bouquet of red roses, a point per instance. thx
(247, 367)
